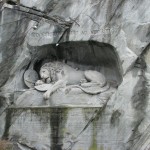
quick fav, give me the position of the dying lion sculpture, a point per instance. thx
(55, 75)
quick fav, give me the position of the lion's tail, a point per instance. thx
(92, 91)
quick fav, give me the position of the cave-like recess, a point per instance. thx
(83, 55)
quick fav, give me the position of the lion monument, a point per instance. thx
(55, 75)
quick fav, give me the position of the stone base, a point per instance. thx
(75, 97)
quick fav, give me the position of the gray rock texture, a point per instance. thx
(110, 36)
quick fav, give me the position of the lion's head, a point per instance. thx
(49, 70)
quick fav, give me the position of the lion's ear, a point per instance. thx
(46, 64)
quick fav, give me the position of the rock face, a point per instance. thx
(108, 36)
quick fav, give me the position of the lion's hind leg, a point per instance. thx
(94, 78)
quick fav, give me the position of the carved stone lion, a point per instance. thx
(58, 75)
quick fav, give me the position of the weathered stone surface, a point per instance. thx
(48, 121)
(115, 22)
(108, 36)
(30, 98)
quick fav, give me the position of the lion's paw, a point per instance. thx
(47, 95)
(39, 82)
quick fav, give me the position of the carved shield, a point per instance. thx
(30, 77)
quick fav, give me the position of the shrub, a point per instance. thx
(5, 145)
